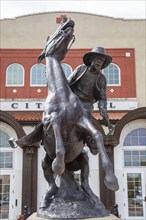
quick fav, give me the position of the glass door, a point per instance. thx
(135, 189)
(4, 196)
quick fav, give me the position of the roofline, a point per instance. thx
(75, 12)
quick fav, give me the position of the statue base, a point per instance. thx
(70, 201)
(69, 209)
(110, 217)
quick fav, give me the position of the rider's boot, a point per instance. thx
(91, 144)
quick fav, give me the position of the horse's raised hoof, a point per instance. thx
(58, 167)
(111, 182)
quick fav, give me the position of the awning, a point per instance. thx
(37, 116)
(112, 115)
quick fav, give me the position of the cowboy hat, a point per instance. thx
(99, 51)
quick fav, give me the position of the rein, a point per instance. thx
(72, 41)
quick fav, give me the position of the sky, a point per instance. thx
(125, 9)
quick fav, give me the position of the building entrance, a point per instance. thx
(135, 194)
(10, 175)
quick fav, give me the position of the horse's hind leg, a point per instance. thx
(49, 176)
(110, 179)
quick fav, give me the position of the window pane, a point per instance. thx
(142, 131)
(14, 75)
(127, 141)
(4, 139)
(142, 141)
(134, 141)
(6, 160)
(143, 160)
(135, 153)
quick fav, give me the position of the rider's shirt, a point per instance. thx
(85, 87)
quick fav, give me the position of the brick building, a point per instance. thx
(23, 92)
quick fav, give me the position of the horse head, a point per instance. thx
(57, 45)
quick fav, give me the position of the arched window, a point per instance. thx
(15, 75)
(112, 74)
(137, 137)
(37, 75)
(67, 69)
(136, 142)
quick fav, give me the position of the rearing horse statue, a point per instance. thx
(64, 119)
(63, 110)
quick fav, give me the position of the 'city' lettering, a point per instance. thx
(111, 105)
(26, 105)
(38, 105)
(14, 105)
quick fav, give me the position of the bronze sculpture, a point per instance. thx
(65, 126)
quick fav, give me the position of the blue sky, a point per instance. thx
(126, 9)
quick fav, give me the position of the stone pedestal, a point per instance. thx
(110, 217)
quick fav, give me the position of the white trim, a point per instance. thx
(39, 85)
(31, 105)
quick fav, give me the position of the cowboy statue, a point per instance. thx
(89, 84)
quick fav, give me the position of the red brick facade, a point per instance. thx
(27, 58)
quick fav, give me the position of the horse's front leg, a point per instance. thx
(82, 163)
(84, 166)
(58, 164)
(110, 179)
